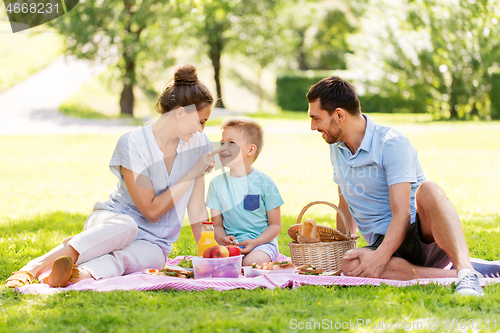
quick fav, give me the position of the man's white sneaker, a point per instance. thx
(468, 283)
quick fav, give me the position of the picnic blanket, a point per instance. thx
(142, 281)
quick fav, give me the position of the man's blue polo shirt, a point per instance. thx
(385, 157)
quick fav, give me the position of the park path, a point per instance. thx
(30, 107)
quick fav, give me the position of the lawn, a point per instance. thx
(50, 183)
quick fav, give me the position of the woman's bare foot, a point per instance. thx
(84, 274)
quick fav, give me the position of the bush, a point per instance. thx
(291, 90)
(495, 96)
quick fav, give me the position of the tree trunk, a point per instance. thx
(453, 105)
(127, 99)
(216, 46)
(474, 110)
(260, 91)
(302, 54)
(127, 96)
(453, 111)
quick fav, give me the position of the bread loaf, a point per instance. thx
(308, 232)
(309, 228)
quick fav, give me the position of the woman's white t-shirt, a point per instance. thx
(139, 152)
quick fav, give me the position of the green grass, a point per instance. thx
(23, 54)
(239, 310)
(73, 109)
(50, 183)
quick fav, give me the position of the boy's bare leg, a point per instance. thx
(440, 223)
(257, 257)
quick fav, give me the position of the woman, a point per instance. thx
(160, 168)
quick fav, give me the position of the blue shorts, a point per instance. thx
(268, 248)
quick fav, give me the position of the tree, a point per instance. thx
(462, 50)
(317, 32)
(330, 41)
(214, 26)
(294, 34)
(128, 34)
(440, 54)
(298, 20)
(265, 40)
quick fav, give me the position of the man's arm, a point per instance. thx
(344, 208)
(372, 264)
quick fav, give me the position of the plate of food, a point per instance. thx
(279, 267)
(173, 271)
(184, 269)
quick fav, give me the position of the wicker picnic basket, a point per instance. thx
(328, 253)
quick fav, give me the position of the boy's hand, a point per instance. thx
(249, 245)
(229, 240)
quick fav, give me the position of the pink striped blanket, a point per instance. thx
(142, 281)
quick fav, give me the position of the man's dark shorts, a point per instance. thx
(415, 250)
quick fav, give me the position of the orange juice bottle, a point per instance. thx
(207, 239)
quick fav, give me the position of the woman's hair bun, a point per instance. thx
(185, 75)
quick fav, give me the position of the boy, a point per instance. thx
(245, 203)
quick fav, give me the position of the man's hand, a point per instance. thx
(249, 245)
(371, 263)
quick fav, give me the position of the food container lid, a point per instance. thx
(207, 222)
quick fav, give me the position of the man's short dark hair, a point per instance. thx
(333, 93)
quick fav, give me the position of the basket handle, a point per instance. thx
(342, 216)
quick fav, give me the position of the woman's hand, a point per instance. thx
(204, 164)
(249, 245)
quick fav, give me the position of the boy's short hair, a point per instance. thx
(334, 92)
(251, 130)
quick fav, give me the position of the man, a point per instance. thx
(412, 229)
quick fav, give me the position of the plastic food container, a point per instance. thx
(252, 272)
(214, 268)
